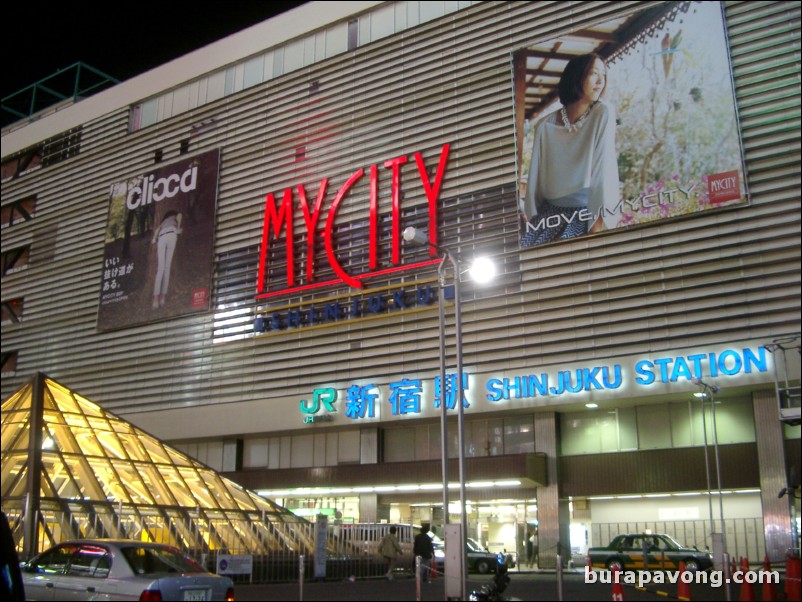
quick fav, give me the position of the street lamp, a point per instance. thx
(481, 271)
(709, 392)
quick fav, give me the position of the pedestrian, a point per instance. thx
(11, 585)
(390, 549)
(424, 548)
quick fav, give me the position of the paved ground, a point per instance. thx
(523, 586)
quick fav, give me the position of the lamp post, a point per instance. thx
(420, 237)
(702, 396)
(709, 392)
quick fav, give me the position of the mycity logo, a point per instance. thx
(319, 219)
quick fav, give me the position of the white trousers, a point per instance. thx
(165, 247)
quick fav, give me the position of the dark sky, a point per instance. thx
(120, 39)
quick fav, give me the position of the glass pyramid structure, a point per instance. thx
(73, 470)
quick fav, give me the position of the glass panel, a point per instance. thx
(181, 100)
(11, 484)
(293, 56)
(519, 435)
(579, 434)
(413, 13)
(129, 475)
(215, 87)
(348, 451)
(254, 71)
(303, 448)
(198, 488)
(627, 429)
(431, 10)
(255, 453)
(382, 22)
(332, 444)
(652, 431)
(478, 445)
(495, 435)
(148, 112)
(607, 423)
(681, 424)
(735, 422)
(397, 446)
(336, 39)
(154, 483)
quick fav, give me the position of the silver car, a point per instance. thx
(111, 569)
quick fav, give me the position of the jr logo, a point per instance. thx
(325, 396)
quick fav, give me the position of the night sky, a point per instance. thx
(121, 40)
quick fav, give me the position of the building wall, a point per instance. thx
(716, 279)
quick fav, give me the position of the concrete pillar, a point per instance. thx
(552, 513)
(368, 508)
(773, 475)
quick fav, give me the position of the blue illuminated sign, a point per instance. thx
(406, 396)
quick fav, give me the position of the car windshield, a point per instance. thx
(673, 543)
(473, 545)
(146, 560)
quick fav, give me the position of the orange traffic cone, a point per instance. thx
(618, 589)
(769, 593)
(683, 589)
(747, 588)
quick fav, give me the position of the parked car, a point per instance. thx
(479, 559)
(626, 552)
(110, 569)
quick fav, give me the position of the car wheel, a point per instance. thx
(482, 566)
(615, 563)
(691, 565)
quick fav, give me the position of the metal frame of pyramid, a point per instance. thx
(70, 469)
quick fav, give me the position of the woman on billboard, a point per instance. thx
(165, 238)
(573, 174)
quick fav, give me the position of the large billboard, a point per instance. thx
(159, 245)
(626, 122)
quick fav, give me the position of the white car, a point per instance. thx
(112, 569)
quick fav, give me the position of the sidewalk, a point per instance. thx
(523, 586)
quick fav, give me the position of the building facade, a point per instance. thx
(214, 251)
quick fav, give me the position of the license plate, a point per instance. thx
(192, 595)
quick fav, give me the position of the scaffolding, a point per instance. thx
(787, 389)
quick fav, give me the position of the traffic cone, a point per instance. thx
(747, 588)
(769, 591)
(618, 589)
(683, 589)
(793, 586)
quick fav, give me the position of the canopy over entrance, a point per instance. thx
(73, 470)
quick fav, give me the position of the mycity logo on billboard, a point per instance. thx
(722, 187)
(320, 221)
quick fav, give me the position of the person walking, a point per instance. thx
(424, 548)
(390, 549)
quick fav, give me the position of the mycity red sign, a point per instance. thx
(320, 220)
